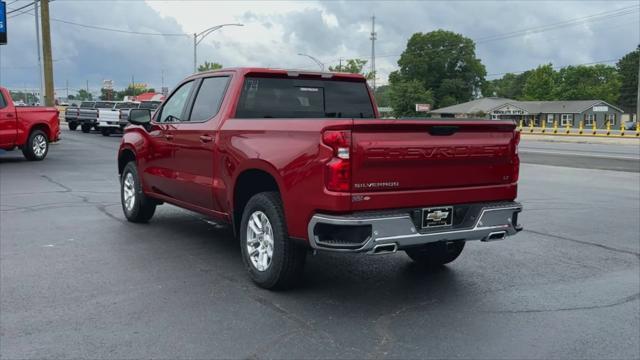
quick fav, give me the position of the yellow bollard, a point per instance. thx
(581, 127)
(521, 123)
(568, 128)
(622, 128)
(555, 127)
(530, 126)
(637, 126)
(543, 126)
(593, 125)
(608, 127)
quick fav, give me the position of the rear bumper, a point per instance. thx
(390, 231)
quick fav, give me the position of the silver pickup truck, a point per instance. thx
(72, 113)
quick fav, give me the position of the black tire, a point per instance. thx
(142, 208)
(105, 131)
(436, 254)
(37, 146)
(86, 128)
(288, 259)
(73, 126)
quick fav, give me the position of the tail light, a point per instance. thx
(516, 157)
(338, 169)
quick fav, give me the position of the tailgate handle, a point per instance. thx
(443, 130)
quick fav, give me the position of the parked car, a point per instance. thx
(72, 113)
(30, 129)
(88, 117)
(630, 125)
(109, 123)
(109, 119)
(297, 161)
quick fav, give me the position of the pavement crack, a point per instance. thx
(573, 308)
(628, 252)
(63, 186)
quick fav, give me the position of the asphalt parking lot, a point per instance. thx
(78, 281)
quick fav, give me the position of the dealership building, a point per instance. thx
(564, 113)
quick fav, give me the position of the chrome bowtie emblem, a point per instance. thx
(437, 215)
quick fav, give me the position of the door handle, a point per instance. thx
(168, 136)
(10, 115)
(206, 138)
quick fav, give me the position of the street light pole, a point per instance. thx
(198, 37)
(318, 62)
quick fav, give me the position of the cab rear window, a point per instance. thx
(303, 98)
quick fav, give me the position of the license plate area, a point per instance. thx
(437, 217)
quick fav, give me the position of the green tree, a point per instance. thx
(601, 82)
(405, 94)
(208, 66)
(628, 70)
(510, 86)
(541, 84)
(353, 66)
(84, 95)
(382, 94)
(445, 63)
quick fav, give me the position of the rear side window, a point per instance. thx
(300, 98)
(87, 105)
(3, 103)
(209, 98)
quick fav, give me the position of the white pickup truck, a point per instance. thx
(114, 120)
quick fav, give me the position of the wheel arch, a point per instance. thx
(44, 127)
(125, 155)
(249, 182)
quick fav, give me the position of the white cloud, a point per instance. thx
(276, 31)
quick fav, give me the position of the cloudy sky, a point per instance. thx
(511, 36)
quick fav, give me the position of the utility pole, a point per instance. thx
(67, 88)
(46, 52)
(39, 51)
(374, 37)
(638, 98)
(87, 87)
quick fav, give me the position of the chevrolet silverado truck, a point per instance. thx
(297, 161)
(115, 120)
(72, 114)
(30, 129)
(88, 116)
(109, 119)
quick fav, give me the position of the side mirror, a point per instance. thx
(140, 117)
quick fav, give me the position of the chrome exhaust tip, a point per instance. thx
(495, 236)
(385, 249)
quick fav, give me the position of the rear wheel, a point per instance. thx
(86, 128)
(105, 131)
(37, 146)
(136, 205)
(73, 126)
(436, 254)
(273, 260)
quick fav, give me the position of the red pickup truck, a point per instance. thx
(28, 128)
(299, 160)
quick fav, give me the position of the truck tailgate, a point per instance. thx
(413, 155)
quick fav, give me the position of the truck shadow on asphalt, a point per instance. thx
(213, 248)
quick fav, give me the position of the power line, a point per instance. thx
(114, 30)
(538, 29)
(20, 8)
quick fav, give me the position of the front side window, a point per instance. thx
(304, 98)
(3, 103)
(209, 98)
(173, 108)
